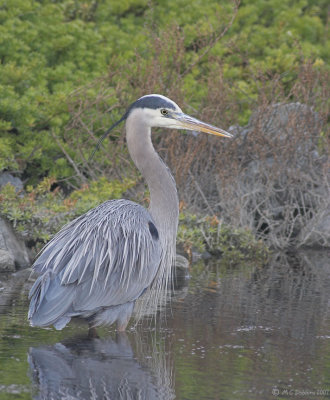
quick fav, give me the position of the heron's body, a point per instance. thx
(98, 265)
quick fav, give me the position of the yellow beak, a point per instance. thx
(187, 122)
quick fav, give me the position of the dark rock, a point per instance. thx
(12, 285)
(13, 252)
(282, 120)
(6, 177)
(317, 232)
(7, 263)
(181, 262)
(307, 201)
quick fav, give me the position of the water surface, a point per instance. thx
(230, 333)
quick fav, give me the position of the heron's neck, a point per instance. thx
(164, 205)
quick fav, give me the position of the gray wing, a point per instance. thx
(107, 257)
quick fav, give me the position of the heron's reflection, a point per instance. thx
(86, 368)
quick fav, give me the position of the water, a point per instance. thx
(230, 333)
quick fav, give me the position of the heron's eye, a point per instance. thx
(164, 111)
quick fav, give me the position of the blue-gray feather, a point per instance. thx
(152, 102)
(96, 266)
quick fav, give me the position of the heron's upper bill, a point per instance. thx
(193, 124)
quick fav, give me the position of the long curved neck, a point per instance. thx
(164, 204)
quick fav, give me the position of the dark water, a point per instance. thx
(230, 333)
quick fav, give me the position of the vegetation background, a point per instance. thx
(69, 69)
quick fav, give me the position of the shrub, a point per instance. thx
(41, 211)
(211, 235)
(69, 69)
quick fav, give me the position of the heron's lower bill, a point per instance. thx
(193, 124)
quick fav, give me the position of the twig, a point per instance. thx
(201, 193)
(81, 176)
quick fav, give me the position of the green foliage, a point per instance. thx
(90, 196)
(40, 212)
(208, 234)
(189, 235)
(68, 69)
(50, 49)
(47, 50)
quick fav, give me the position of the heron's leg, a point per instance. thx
(121, 326)
(125, 316)
(92, 332)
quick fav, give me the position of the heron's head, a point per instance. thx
(156, 110)
(159, 111)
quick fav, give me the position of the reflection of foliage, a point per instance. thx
(235, 320)
(40, 212)
(208, 234)
(284, 304)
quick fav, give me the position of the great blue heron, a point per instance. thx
(98, 265)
